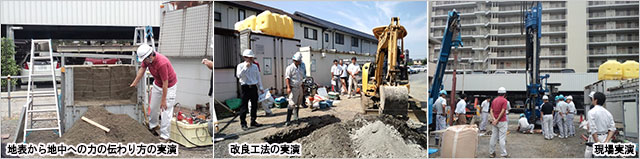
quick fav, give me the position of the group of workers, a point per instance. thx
(599, 123)
(250, 80)
(560, 115)
(343, 76)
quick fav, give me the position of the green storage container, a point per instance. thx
(233, 103)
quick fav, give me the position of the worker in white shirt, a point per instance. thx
(343, 77)
(570, 115)
(441, 116)
(563, 108)
(461, 110)
(294, 75)
(250, 81)
(524, 126)
(353, 70)
(588, 149)
(336, 71)
(485, 113)
(601, 124)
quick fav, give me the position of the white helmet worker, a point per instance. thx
(143, 52)
(569, 98)
(545, 97)
(247, 53)
(502, 90)
(297, 56)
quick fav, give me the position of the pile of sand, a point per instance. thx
(123, 129)
(368, 136)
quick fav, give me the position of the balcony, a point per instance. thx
(627, 13)
(611, 4)
(450, 4)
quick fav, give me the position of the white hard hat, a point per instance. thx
(248, 53)
(569, 98)
(545, 97)
(143, 52)
(502, 90)
(297, 56)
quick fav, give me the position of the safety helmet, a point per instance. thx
(248, 53)
(443, 92)
(297, 56)
(143, 52)
(502, 90)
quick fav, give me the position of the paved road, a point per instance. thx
(418, 86)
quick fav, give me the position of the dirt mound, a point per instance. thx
(331, 141)
(305, 127)
(368, 136)
(123, 129)
(376, 136)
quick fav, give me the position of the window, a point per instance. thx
(308, 33)
(241, 14)
(217, 16)
(326, 37)
(354, 41)
(339, 38)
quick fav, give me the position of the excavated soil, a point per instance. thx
(369, 136)
(305, 127)
(123, 129)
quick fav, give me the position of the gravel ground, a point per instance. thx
(532, 145)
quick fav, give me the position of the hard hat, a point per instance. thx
(247, 53)
(562, 97)
(443, 92)
(502, 90)
(297, 56)
(569, 98)
(591, 94)
(545, 97)
(521, 114)
(143, 52)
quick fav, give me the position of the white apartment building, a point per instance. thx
(578, 36)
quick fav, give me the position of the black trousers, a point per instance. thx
(249, 92)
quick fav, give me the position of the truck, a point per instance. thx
(622, 102)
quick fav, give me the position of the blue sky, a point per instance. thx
(365, 15)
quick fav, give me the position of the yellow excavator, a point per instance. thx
(385, 81)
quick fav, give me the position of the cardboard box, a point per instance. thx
(460, 141)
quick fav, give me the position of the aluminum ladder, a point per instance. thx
(43, 108)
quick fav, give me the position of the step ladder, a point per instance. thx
(143, 35)
(35, 104)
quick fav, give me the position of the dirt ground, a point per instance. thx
(341, 131)
(123, 129)
(531, 145)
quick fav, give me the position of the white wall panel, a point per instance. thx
(84, 13)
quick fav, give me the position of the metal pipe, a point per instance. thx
(9, 95)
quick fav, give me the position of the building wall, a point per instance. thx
(193, 81)
(298, 29)
(229, 15)
(576, 37)
(81, 13)
(226, 84)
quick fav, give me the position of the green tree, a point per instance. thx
(9, 66)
